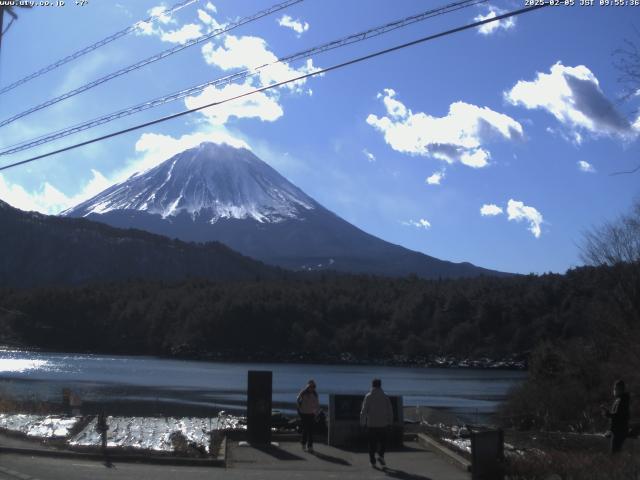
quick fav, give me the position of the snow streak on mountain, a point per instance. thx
(209, 182)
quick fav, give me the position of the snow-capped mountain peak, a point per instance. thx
(209, 182)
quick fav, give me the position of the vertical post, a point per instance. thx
(259, 389)
(487, 455)
(66, 400)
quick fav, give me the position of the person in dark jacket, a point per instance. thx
(308, 406)
(377, 416)
(619, 415)
(102, 427)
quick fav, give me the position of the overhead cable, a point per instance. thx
(279, 84)
(98, 44)
(154, 58)
(357, 37)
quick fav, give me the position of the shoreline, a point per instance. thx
(515, 363)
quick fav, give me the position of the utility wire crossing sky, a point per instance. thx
(358, 37)
(280, 84)
(101, 43)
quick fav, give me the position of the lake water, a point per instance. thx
(157, 384)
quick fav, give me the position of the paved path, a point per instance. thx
(286, 461)
(16, 441)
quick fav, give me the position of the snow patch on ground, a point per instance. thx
(42, 426)
(146, 433)
(153, 433)
(463, 444)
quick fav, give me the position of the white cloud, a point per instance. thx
(518, 211)
(422, 223)
(586, 167)
(152, 27)
(180, 35)
(573, 96)
(475, 158)
(156, 148)
(460, 136)
(208, 20)
(163, 18)
(370, 156)
(492, 27)
(238, 52)
(394, 107)
(187, 32)
(212, 7)
(436, 178)
(295, 25)
(257, 105)
(490, 209)
(145, 28)
(48, 199)
(251, 52)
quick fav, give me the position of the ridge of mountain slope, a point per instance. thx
(37, 249)
(218, 192)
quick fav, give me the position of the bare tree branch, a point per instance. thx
(627, 61)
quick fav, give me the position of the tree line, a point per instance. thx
(367, 316)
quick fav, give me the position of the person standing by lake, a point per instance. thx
(377, 416)
(102, 427)
(619, 415)
(308, 406)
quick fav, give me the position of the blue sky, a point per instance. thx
(493, 147)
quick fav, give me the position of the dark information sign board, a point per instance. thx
(259, 389)
(487, 455)
(347, 407)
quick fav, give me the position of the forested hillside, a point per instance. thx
(38, 250)
(368, 317)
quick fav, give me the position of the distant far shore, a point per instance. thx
(431, 361)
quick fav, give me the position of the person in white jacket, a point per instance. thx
(377, 416)
(308, 406)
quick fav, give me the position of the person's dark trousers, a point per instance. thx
(377, 442)
(307, 429)
(616, 442)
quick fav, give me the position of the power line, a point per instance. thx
(98, 44)
(357, 37)
(154, 58)
(626, 172)
(279, 84)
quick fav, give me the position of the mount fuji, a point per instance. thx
(218, 192)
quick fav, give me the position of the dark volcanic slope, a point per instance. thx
(38, 249)
(217, 192)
